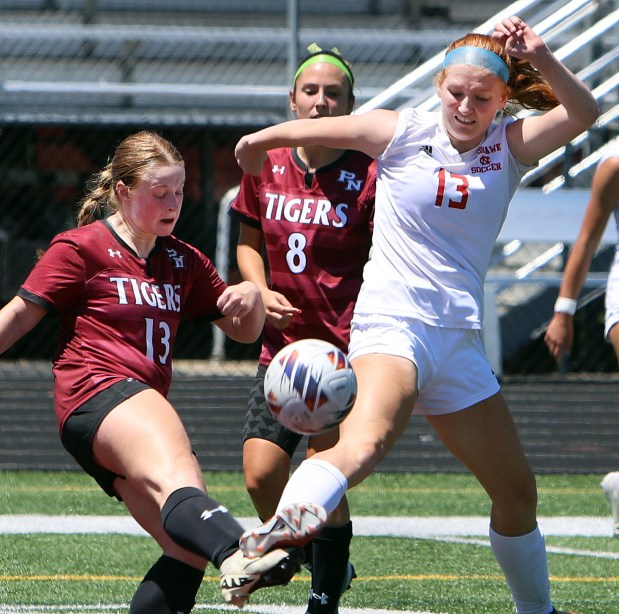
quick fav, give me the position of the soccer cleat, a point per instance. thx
(555, 611)
(610, 484)
(241, 576)
(293, 525)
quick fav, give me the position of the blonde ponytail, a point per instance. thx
(100, 199)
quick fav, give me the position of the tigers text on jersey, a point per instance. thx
(317, 232)
(118, 313)
(438, 213)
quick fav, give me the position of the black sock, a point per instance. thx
(308, 552)
(330, 553)
(201, 525)
(170, 587)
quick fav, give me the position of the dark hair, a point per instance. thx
(315, 50)
(133, 157)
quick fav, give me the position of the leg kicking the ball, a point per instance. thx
(309, 388)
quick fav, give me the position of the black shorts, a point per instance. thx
(260, 423)
(81, 426)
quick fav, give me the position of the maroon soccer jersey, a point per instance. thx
(317, 233)
(118, 314)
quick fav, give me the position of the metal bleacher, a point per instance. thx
(201, 61)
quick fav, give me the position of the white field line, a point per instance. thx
(454, 529)
(392, 526)
(485, 543)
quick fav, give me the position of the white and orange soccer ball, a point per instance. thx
(310, 386)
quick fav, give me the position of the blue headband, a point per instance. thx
(477, 56)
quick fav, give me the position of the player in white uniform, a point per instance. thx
(603, 201)
(444, 181)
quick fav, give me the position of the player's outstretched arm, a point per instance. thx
(369, 132)
(18, 317)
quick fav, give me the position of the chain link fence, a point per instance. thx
(77, 76)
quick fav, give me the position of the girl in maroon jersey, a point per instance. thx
(312, 209)
(119, 286)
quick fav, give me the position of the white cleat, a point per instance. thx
(292, 526)
(241, 576)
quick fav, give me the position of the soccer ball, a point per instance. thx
(310, 386)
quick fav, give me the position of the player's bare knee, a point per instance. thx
(517, 501)
(341, 514)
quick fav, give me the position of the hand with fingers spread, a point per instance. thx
(518, 39)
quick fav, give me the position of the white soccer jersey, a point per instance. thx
(438, 213)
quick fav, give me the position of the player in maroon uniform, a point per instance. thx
(119, 287)
(312, 208)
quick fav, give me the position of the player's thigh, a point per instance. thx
(484, 438)
(386, 393)
(144, 440)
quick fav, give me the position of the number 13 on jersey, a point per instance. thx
(452, 190)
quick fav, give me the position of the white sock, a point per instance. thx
(524, 563)
(315, 481)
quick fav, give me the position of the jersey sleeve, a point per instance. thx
(206, 287)
(246, 206)
(58, 279)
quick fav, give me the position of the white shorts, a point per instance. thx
(612, 297)
(453, 371)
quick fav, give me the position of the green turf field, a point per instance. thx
(74, 574)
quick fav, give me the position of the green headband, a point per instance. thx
(329, 59)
